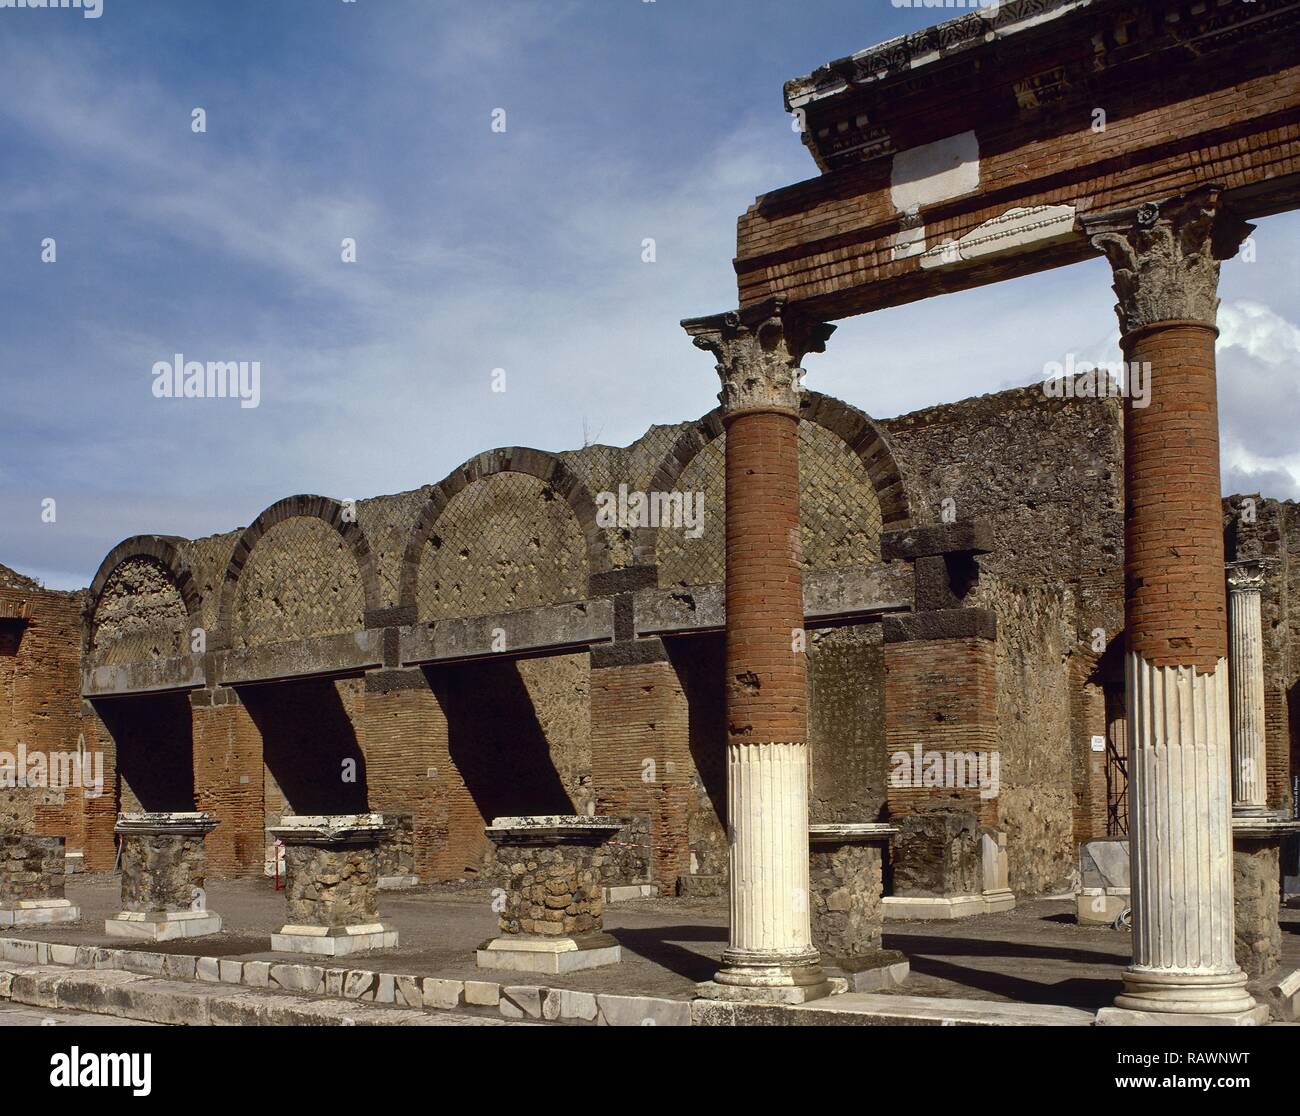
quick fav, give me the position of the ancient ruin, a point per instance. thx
(927, 667)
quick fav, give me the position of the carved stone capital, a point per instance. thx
(758, 350)
(1165, 256)
(1247, 575)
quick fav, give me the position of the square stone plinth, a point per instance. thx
(519, 953)
(397, 883)
(334, 941)
(763, 994)
(162, 926)
(1127, 1017)
(38, 912)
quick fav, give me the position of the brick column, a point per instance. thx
(770, 954)
(1166, 265)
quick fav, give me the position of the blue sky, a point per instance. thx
(476, 250)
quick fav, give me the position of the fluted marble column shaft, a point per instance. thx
(1246, 659)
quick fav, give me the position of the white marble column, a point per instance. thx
(1246, 659)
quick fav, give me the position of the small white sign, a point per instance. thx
(1098, 743)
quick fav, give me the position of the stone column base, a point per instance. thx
(1281, 995)
(334, 941)
(523, 953)
(773, 978)
(1100, 906)
(38, 912)
(162, 926)
(925, 907)
(1126, 1017)
(876, 972)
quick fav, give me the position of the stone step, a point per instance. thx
(857, 1009)
(127, 995)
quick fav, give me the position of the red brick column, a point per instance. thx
(1166, 264)
(770, 953)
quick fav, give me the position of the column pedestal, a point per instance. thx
(1257, 844)
(846, 876)
(164, 866)
(332, 875)
(31, 882)
(552, 921)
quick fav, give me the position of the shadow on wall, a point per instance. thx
(154, 741)
(310, 746)
(496, 741)
(700, 662)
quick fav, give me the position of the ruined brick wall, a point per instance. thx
(506, 542)
(455, 745)
(840, 511)
(1048, 475)
(846, 724)
(1036, 798)
(40, 683)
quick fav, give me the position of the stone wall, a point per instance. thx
(162, 872)
(456, 745)
(1047, 475)
(30, 867)
(40, 680)
(331, 886)
(553, 891)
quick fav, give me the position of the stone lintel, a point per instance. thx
(553, 628)
(828, 596)
(323, 656)
(970, 536)
(163, 676)
(956, 623)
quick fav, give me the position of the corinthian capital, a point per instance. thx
(1248, 574)
(758, 350)
(1165, 256)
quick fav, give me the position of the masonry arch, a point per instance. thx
(852, 490)
(318, 579)
(142, 603)
(510, 529)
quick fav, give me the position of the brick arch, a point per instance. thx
(864, 437)
(163, 549)
(328, 511)
(543, 466)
